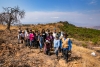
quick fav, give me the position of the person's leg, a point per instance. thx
(30, 43)
(49, 52)
(56, 51)
(40, 46)
(62, 50)
(37, 44)
(51, 44)
(66, 55)
(46, 51)
(26, 42)
(18, 39)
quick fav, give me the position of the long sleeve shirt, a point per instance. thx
(56, 43)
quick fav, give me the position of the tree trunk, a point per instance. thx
(8, 25)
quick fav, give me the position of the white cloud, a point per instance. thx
(76, 18)
(55, 17)
(93, 2)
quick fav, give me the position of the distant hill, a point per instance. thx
(96, 27)
(80, 33)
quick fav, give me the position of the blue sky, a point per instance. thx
(78, 12)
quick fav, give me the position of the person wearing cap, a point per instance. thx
(47, 47)
(56, 45)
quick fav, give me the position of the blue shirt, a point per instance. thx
(69, 44)
(56, 43)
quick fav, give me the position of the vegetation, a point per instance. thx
(11, 16)
(84, 34)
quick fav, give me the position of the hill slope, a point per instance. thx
(83, 34)
(18, 55)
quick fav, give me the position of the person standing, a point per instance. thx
(36, 39)
(41, 41)
(19, 35)
(22, 37)
(31, 36)
(66, 46)
(43, 35)
(56, 45)
(54, 34)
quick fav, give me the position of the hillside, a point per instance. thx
(97, 27)
(18, 55)
(83, 34)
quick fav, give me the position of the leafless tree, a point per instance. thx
(11, 15)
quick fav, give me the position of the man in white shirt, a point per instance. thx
(54, 34)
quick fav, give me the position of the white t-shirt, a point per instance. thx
(54, 35)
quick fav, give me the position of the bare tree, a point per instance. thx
(11, 16)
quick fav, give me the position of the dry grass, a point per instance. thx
(81, 57)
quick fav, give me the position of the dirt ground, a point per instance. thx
(18, 55)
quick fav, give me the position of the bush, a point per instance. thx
(84, 45)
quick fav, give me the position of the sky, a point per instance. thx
(78, 12)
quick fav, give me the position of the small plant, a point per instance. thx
(84, 45)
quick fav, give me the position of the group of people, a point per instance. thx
(46, 40)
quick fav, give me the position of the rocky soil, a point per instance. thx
(18, 55)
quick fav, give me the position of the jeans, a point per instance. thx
(56, 51)
(41, 44)
(27, 42)
(31, 43)
(65, 54)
